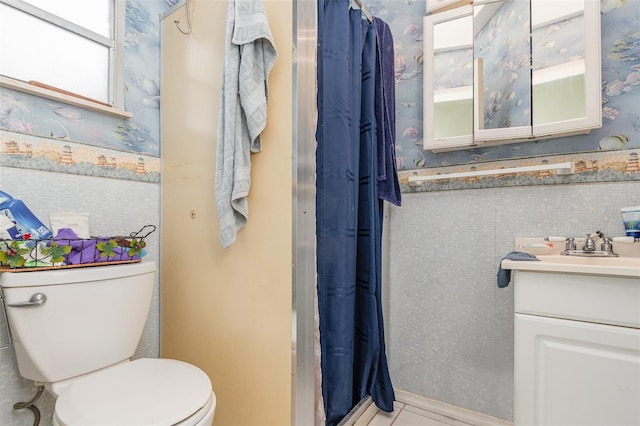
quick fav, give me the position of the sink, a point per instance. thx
(618, 266)
(597, 262)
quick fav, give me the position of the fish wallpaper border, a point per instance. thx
(590, 167)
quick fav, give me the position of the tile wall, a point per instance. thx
(450, 328)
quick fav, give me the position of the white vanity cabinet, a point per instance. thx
(577, 347)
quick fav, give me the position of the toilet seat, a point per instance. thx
(144, 392)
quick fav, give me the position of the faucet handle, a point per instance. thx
(606, 245)
(571, 244)
(625, 240)
(555, 239)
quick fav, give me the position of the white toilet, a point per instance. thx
(75, 330)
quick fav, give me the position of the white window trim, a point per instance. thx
(116, 72)
(42, 92)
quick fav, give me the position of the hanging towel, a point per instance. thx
(385, 105)
(250, 54)
(504, 275)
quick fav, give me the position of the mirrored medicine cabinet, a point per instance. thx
(505, 71)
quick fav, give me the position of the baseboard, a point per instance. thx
(449, 410)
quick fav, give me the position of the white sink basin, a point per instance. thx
(620, 266)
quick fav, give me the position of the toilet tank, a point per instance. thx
(93, 317)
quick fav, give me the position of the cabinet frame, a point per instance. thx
(576, 348)
(507, 135)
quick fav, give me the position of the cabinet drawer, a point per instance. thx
(593, 298)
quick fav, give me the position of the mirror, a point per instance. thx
(559, 70)
(448, 79)
(566, 98)
(529, 77)
(502, 72)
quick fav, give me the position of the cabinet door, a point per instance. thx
(575, 373)
(448, 80)
(502, 70)
(566, 86)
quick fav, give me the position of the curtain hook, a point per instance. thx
(188, 21)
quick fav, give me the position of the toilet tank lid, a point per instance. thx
(74, 275)
(147, 391)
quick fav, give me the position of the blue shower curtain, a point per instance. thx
(348, 215)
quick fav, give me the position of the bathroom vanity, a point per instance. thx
(577, 340)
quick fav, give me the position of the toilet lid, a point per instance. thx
(143, 392)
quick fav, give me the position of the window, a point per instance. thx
(71, 45)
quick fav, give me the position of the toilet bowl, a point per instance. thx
(75, 331)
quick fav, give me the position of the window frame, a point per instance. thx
(116, 60)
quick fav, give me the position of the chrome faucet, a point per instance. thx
(589, 247)
(589, 244)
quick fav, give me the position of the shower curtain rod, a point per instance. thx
(364, 10)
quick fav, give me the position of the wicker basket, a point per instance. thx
(53, 253)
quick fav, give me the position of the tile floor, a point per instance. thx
(408, 415)
(420, 411)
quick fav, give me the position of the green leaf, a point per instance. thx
(106, 248)
(12, 254)
(135, 247)
(56, 252)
